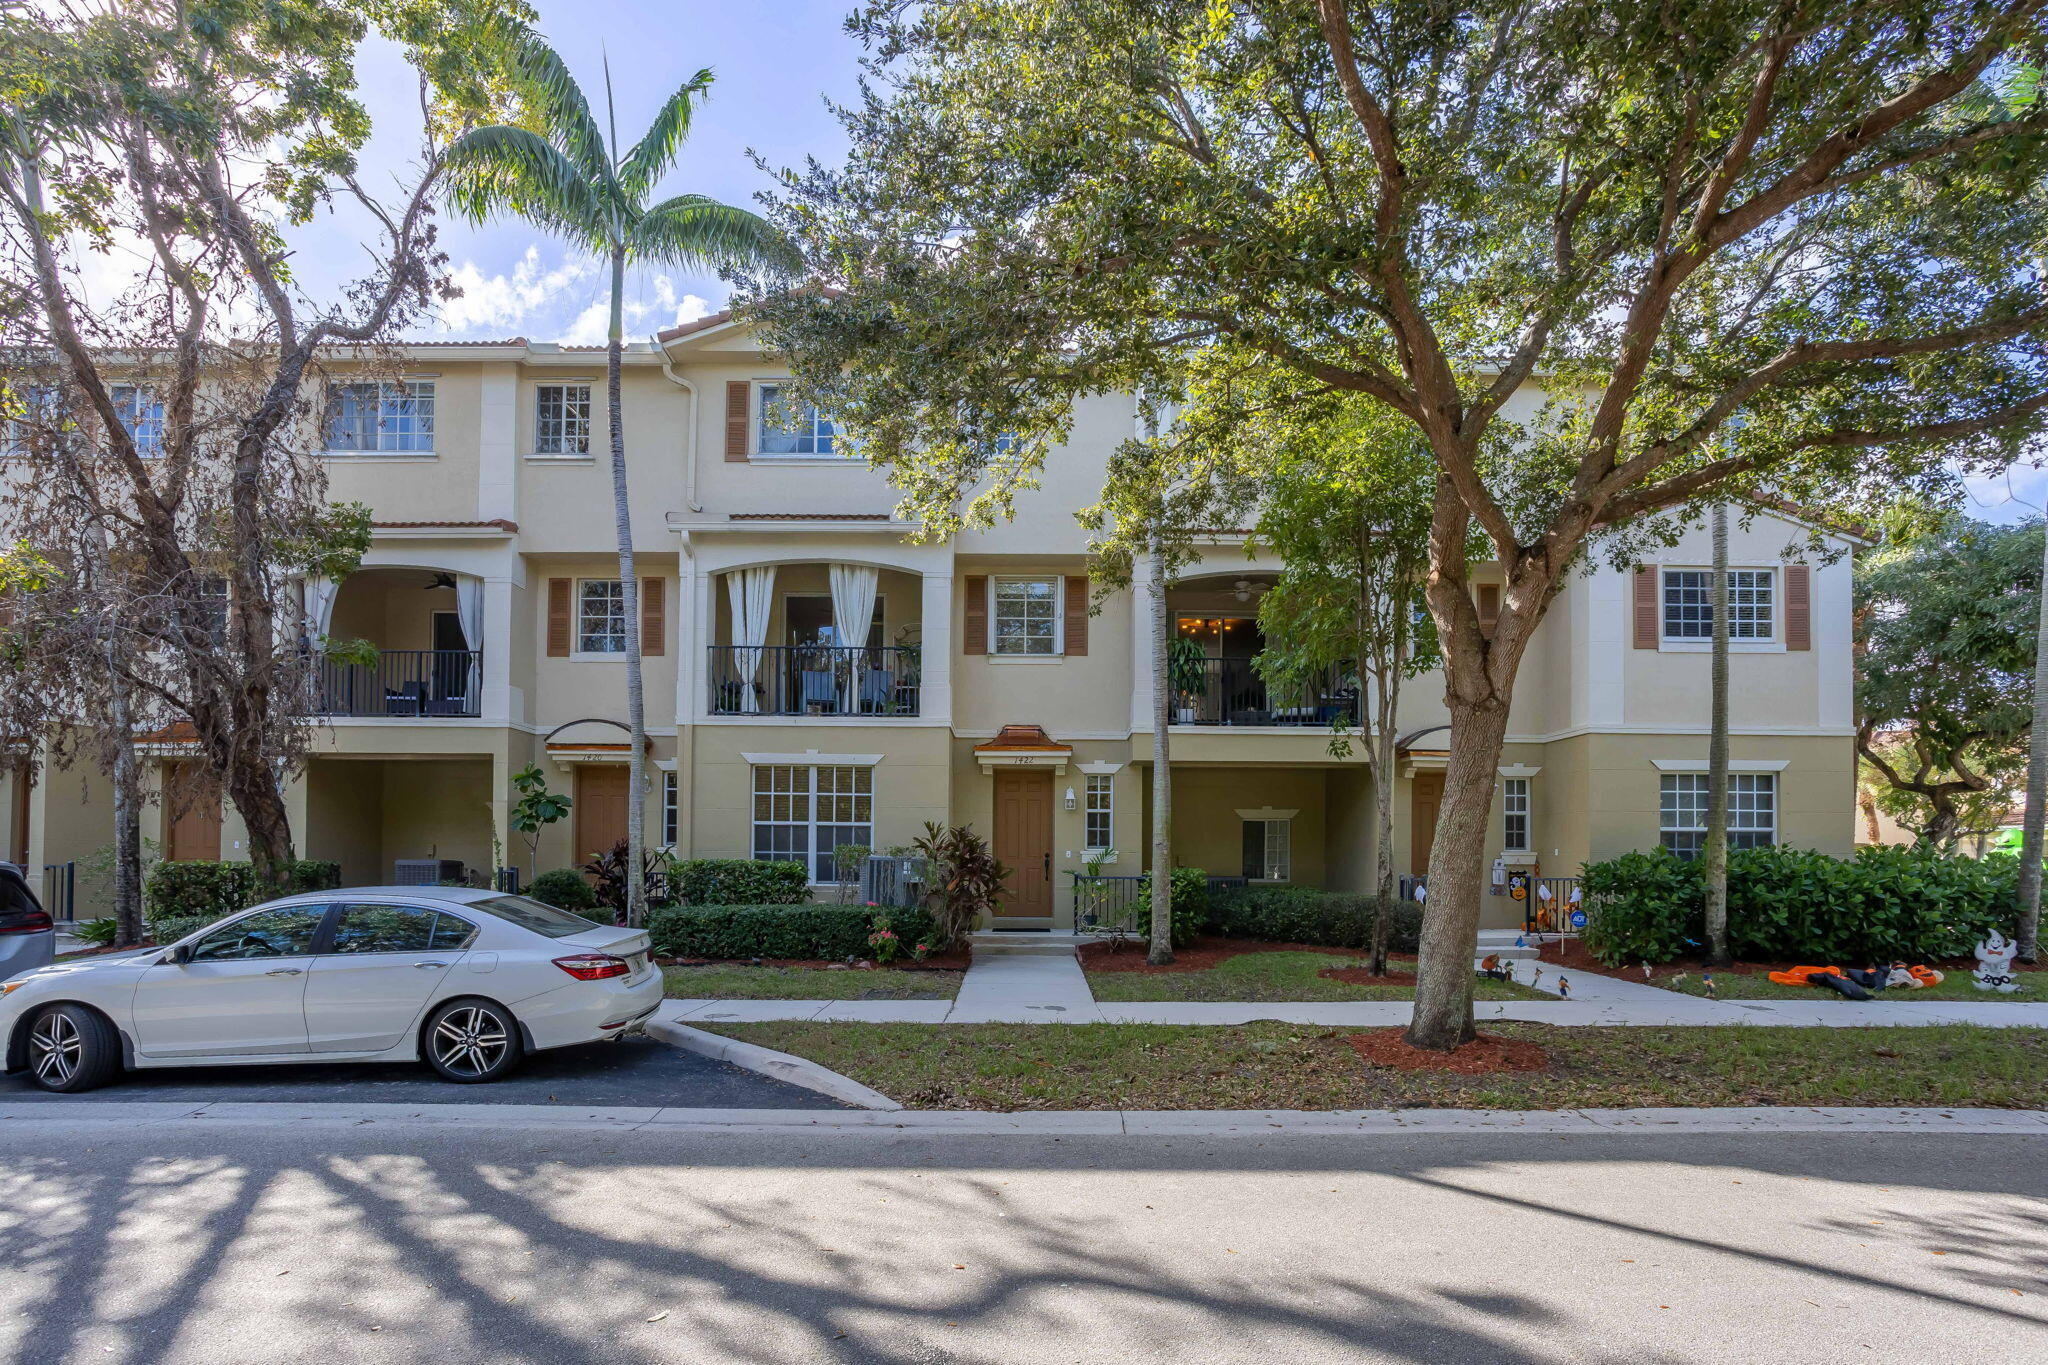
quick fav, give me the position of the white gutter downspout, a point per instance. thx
(690, 432)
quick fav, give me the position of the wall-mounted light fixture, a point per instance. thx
(1071, 803)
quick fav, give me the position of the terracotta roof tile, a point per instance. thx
(1014, 737)
(807, 516)
(498, 523)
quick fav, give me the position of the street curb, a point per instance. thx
(103, 1115)
(779, 1066)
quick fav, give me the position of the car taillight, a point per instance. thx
(25, 922)
(593, 966)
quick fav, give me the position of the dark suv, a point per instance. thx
(27, 937)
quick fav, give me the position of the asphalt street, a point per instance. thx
(634, 1071)
(176, 1242)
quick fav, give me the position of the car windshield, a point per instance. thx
(544, 920)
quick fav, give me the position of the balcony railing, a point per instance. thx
(1231, 692)
(404, 682)
(813, 680)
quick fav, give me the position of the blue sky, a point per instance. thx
(776, 62)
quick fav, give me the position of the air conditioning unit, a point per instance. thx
(426, 871)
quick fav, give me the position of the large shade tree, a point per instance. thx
(563, 171)
(1665, 215)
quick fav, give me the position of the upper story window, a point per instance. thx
(381, 418)
(1689, 605)
(142, 413)
(600, 616)
(561, 419)
(24, 409)
(1026, 616)
(1514, 804)
(790, 428)
(214, 596)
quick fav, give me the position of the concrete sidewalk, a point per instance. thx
(1046, 988)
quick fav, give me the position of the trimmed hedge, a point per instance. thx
(1187, 899)
(564, 888)
(740, 881)
(819, 932)
(210, 890)
(1309, 914)
(1886, 904)
(171, 928)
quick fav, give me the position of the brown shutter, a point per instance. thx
(1489, 608)
(1077, 613)
(737, 391)
(1798, 606)
(653, 618)
(974, 625)
(558, 618)
(1647, 629)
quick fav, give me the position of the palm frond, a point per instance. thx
(696, 231)
(545, 83)
(502, 169)
(656, 151)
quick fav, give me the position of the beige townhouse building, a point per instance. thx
(815, 678)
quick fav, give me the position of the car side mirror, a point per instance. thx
(181, 954)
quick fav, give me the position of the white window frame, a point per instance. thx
(142, 413)
(1516, 801)
(807, 783)
(758, 428)
(668, 808)
(38, 403)
(1278, 839)
(560, 445)
(579, 650)
(1680, 794)
(415, 442)
(1743, 578)
(1059, 615)
(1098, 801)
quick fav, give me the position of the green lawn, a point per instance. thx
(1286, 1066)
(724, 981)
(1268, 977)
(1955, 986)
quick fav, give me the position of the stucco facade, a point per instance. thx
(485, 592)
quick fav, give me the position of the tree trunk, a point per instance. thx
(629, 589)
(1159, 950)
(127, 811)
(260, 802)
(1387, 695)
(1715, 854)
(1450, 924)
(2031, 850)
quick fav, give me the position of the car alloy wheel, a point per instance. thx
(56, 1050)
(471, 1041)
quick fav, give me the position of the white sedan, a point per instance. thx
(468, 980)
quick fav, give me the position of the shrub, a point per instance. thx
(741, 881)
(201, 889)
(1187, 896)
(1789, 904)
(312, 874)
(171, 928)
(564, 888)
(100, 933)
(963, 880)
(803, 932)
(1308, 914)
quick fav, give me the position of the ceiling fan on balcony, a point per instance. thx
(440, 580)
(1247, 590)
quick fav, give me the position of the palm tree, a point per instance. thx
(566, 175)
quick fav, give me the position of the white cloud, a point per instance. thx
(665, 309)
(502, 302)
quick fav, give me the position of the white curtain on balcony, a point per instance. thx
(853, 608)
(752, 594)
(469, 614)
(319, 599)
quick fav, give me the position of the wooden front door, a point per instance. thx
(600, 809)
(1427, 799)
(1024, 841)
(191, 813)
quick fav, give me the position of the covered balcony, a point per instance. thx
(423, 627)
(812, 639)
(1212, 668)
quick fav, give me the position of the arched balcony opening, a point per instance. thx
(399, 643)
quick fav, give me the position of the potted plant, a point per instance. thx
(1187, 669)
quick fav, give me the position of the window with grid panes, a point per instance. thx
(1100, 816)
(1026, 616)
(1689, 606)
(384, 417)
(1514, 806)
(1682, 811)
(802, 813)
(600, 616)
(561, 419)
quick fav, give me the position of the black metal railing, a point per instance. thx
(1555, 905)
(60, 891)
(1231, 692)
(508, 880)
(405, 682)
(813, 680)
(1115, 907)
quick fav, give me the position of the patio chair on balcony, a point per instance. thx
(818, 689)
(408, 700)
(877, 686)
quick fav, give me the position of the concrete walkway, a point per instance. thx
(1050, 988)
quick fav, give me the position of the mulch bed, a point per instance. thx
(1203, 954)
(954, 961)
(1485, 1055)
(1571, 954)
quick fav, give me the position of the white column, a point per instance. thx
(497, 489)
(1142, 570)
(935, 658)
(499, 702)
(702, 616)
(689, 653)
